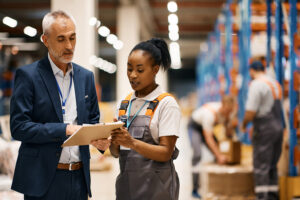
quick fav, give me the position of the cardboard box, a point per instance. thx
(222, 180)
(221, 197)
(232, 150)
(289, 187)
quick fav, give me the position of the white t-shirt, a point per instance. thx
(260, 98)
(166, 118)
(205, 117)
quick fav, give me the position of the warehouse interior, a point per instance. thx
(212, 44)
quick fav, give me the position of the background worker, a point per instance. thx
(264, 109)
(200, 130)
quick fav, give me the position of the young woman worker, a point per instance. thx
(146, 147)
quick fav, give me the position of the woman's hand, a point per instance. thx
(122, 137)
(101, 144)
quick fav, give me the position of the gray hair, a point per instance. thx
(50, 17)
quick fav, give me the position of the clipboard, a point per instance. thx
(87, 133)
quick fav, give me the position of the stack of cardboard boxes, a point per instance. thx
(233, 181)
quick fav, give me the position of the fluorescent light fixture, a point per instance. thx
(103, 64)
(103, 31)
(173, 19)
(173, 36)
(93, 21)
(173, 28)
(118, 45)
(28, 46)
(93, 59)
(175, 55)
(10, 22)
(172, 6)
(30, 31)
(111, 38)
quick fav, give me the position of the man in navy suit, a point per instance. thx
(51, 98)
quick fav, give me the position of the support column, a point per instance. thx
(129, 31)
(85, 34)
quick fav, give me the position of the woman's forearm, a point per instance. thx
(114, 150)
(160, 153)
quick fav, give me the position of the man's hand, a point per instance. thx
(101, 144)
(71, 129)
(221, 159)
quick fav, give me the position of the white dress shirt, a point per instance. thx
(68, 154)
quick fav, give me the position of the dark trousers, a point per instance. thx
(266, 153)
(197, 139)
(66, 185)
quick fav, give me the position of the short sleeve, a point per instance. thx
(169, 118)
(253, 100)
(208, 122)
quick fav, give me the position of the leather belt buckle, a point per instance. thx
(70, 166)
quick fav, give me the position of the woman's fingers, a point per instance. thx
(101, 144)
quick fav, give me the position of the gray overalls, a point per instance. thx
(141, 178)
(267, 141)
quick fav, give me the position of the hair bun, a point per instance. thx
(163, 47)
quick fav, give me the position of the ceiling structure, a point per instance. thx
(196, 19)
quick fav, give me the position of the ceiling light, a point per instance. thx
(98, 23)
(175, 55)
(111, 38)
(93, 21)
(30, 31)
(9, 22)
(103, 31)
(118, 45)
(173, 19)
(173, 28)
(172, 6)
(173, 36)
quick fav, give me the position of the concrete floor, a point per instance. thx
(103, 183)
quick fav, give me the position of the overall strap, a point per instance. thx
(153, 104)
(270, 84)
(124, 105)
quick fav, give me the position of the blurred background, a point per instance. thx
(212, 43)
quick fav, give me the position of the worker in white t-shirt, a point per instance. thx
(264, 109)
(146, 147)
(201, 134)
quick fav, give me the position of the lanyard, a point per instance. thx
(129, 110)
(63, 102)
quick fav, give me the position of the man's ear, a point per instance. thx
(45, 40)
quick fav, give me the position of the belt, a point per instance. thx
(70, 167)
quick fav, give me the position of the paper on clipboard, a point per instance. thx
(87, 133)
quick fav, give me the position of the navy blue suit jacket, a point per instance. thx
(37, 121)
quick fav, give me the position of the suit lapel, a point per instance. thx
(79, 93)
(46, 72)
